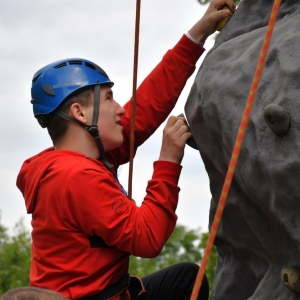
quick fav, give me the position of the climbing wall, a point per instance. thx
(260, 230)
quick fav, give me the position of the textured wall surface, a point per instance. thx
(260, 229)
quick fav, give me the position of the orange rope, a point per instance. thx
(135, 68)
(236, 150)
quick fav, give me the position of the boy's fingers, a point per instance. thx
(219, 5)
(171, 121)
(231, 5)
(221, 14)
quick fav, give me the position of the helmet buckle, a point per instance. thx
(93, 130)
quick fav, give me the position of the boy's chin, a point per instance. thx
(114, 146)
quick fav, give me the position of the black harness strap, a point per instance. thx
(112, 290)
(97, 242)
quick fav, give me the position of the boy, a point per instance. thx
(84, 226)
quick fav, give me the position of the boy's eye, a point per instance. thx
(109, 96)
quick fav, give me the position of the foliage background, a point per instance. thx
(183, 245)
(15, 257)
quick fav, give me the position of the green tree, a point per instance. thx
(15, 257)
(183, 245)
(211, 264)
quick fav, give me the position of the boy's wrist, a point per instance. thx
(196, 41)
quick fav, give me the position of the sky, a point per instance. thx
(35, 33)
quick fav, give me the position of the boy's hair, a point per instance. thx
(58, 126)
(31, 293)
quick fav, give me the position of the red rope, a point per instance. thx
(134, 85)
(236, 150)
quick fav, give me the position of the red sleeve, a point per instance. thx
(98, 207)
(157, 95)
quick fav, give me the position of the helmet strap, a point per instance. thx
(91, 129)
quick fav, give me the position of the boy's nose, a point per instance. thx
(121, 111)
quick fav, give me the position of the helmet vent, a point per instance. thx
(90, 65)
(60, 65)
(75, 62)
(96, 68)
(36, 78)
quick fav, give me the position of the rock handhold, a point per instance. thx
(223, 22)
(291, 278)
(277, 118)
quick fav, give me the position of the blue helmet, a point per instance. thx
(52, 84)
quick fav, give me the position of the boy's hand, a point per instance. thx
(175, 135)
(208, 23)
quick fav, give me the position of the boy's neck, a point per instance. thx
(77, 139)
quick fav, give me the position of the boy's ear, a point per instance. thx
(79, 113)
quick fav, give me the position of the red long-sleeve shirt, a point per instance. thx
(74, 199)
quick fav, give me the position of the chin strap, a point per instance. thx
(91, 129)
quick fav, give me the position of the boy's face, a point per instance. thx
(109, 125)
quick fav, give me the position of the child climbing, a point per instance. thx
(84, 226)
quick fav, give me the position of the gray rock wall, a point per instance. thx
(260, 229)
